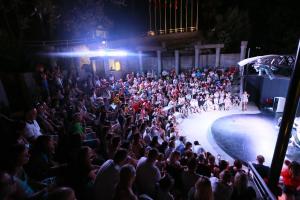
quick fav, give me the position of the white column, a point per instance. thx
(241, 80)
(93, 63)
(243, 49)
(197, 51)
(158, 52)
(218, 51)
(177, 61)
(242, 57)
(141, 68)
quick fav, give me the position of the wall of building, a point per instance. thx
(131, 63)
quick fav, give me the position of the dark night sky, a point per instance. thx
(273, 23)
(131, 20)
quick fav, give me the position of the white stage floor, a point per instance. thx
(197, 126)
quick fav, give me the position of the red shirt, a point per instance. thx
(288, 180)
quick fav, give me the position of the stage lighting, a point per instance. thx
(87, 53)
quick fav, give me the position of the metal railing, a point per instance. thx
(261, 187)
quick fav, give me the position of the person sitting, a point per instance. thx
(164, 186)
(189, 177)
(17, 157)
(80, 174)
(291, 180)
(88, 138)
(202, 190)
(147, 174)
(41, 164)
(32, 128)
(241, 190)
(123, 190)
(262, 170)
(222, 188)
(108, 175)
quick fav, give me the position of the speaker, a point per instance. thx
(278, 104)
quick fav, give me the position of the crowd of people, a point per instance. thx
(97, 138)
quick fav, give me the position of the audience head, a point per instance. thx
(240, 182)
(18, 155)
(225, 176)
(44, 144)
(127, 175)
(120, 156)
(223, 164)
(31, 114)
(260, 159)
(62, 193)
(152, 155)
(294, 168)
(192, 164)
(172, 144)
(188, 145)
(203, 189)
(238, 164)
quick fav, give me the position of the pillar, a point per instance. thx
(177, 61)
(158, 52)
(287, 122)
(93, 63)
(141, 68)
(218, 52)
(241, 80)
(197, 51)
(243, 49)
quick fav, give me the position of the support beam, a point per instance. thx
(287, 122)
(243, 50)
(158, 52)
(177, 62)
(141, 62)
(218, 52)
(197, 51)
(241, 80)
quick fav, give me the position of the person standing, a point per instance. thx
(244, 98)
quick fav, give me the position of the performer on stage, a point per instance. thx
(244, 99)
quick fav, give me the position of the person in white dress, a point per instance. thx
(227, 103)
(216, 103)
(194, 105)
(244, 99)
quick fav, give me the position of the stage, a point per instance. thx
(236, 134)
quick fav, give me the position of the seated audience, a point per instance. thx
(108, 175)
(123, 190)
(147, 174)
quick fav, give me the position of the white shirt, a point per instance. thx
(32, 130)
(147, 175)
(107, 178)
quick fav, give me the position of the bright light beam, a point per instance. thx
(87, 53)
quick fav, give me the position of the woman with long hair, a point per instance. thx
(124, 188)
(241, 190)
(202, 190)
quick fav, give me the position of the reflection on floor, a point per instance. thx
(236, 134)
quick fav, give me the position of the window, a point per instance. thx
(114, 65)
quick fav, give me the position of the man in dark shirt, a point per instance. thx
(261, 168)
